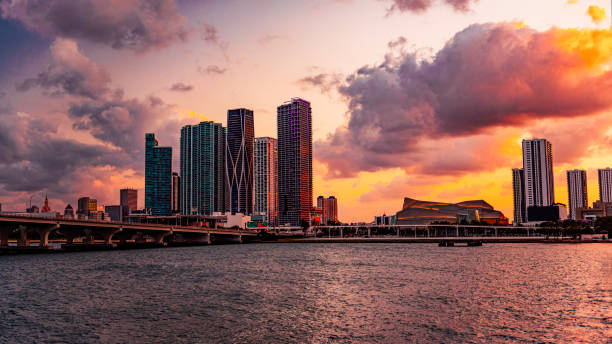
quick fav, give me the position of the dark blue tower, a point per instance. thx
(239, 161)
(158, 177)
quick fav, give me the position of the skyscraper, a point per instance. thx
(83, 206)
(158, 177)
(202, 177)
(176, 194)
(129, 197)
(265, 183)
(605, 184)
(538, 173)
(518, 192)
(321, 207)
(331, 210)
(577, 191)
(294, 161)
(239, 161)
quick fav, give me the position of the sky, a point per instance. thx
(427, 99)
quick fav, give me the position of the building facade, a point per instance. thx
(176, 193)
(158, 177)
(518, 193)
(538, 173)
(129, 197)
(329, 209)
(294, 127)
(576, 191)
(605, 184)
(116, 213)
(202, 178)
(83, 206)
(239, 161)
(265, 182)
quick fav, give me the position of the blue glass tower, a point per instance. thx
(202, 168)
(158, 177)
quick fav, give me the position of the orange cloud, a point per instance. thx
(597, 13)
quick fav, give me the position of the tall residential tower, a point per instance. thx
(265, 173)
(158, 177)
(576, 191)
(239, 161)
(605, 184)
(538, 173)
(202, 177)
(294, 162)
(518, 192)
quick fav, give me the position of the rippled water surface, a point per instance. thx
(311, 293)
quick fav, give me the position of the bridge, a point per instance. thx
(435, 233)
(91, 232)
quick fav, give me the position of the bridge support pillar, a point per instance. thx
(108, 235)
(158, 238)
(496, 232)
(89, 237)
(369, 232)
(23, 237)
(457, 231)
(140, 238)
(4, 235)
(44, 234)
(341, 233)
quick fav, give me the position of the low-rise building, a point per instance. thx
(385, 220)
(599, 209)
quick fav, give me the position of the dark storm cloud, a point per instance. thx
(34, 157)
(137, 25)
(181, 87)
(70, 72)
(120, 121)
(486, 76)
(423, 5)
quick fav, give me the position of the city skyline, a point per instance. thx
(98, 124)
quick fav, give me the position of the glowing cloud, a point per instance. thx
(597, 13)
(487, 76)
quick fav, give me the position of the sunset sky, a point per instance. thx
(427, 99)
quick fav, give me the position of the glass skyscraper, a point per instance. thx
(239, 161)
(158, 177)
(294, 162)
(202, 169)
(518, 193)
(265, 178)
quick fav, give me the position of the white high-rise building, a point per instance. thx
(538, 173)
(577, 191)
(518, 192)
(605, 184)
(265, 182)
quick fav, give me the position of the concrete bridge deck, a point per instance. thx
(89, 231)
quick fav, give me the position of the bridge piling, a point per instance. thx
(44, 232)
(4, 235)
(23, 237)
